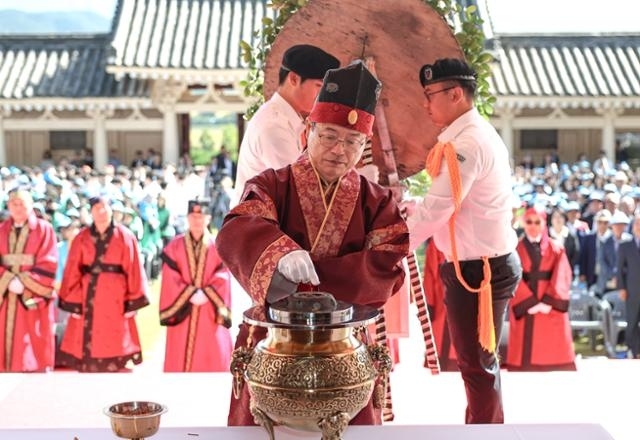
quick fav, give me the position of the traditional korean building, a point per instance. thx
(134, 87)
(131, 89)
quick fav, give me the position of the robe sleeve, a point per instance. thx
(557, 293)
(250, 241)
(136, 296)
(39, 278)
(524, 298)
(175, 290)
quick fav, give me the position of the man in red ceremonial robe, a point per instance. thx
(195, 299)
(102, 287)
(318, 221)
(434, 291)
(29, 261)
(539, 330)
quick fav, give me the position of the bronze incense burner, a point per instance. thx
(312, 372)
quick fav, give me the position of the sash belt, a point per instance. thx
(97, 268)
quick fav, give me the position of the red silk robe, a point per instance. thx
(27, 341)
(360, 240)
(541, 342)
(197, 340)
(103, 279)
(434, 291)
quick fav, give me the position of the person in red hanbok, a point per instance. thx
(102, 287)
(29, 261)
(540, 336)
(434, 292)
(195, 299)
(318, 221)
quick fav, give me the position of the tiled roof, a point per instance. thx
(184, 34)
(61, 66)
(566, 66)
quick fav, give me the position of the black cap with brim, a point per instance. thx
(446, 69)
(308, 61)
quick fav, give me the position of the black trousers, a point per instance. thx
(480, 369)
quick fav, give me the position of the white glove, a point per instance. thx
(544, 308)
(297, 266)
(370, 171)
(539, 308)
(16, 286)
(534, 309)
(198, 298)
(408, 206)
(130, 314)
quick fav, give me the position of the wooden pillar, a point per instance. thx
(100, 147)
(3, 144)
(170, 143)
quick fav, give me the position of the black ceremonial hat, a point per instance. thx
(198, 206)
(308, 61)
(348, 98)
(446, 69)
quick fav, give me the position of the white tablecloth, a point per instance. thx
(430, 432)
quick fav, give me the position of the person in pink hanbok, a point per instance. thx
(195, 299)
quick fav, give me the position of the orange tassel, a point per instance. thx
(486, 332)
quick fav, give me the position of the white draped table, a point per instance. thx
(429, 432)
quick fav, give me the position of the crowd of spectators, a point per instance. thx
(150, 198)
(152, 202)
(590, 207)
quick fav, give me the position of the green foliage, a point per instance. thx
(467, 27)
(206, 140)
(418, 184)
(255, 57)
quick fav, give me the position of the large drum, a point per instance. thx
(400, 36)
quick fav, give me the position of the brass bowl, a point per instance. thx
(135, 420)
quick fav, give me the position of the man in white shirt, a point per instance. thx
(273, 135)
(482, 269)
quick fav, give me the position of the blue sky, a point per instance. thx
(101, 7)
(508, 16)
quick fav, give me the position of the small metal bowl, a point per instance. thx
(135, 420)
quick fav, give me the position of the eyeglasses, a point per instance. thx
(429, 94)
(534, 222)
(351, 145)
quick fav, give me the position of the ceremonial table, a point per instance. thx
(431, 432)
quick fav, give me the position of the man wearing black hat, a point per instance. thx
(195, 298)
(317, 222)
(273, 136)
(28, 261)
(103, 286)
(468, 212)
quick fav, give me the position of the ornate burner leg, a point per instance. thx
(334, 425)
(263, 420)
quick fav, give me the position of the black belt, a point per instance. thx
(97, 268)
(542, 275)
(493, 260)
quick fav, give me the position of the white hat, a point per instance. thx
(619, 218)
(603, 215)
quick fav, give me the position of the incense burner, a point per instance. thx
(312, 372)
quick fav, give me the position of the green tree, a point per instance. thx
(206, 140)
